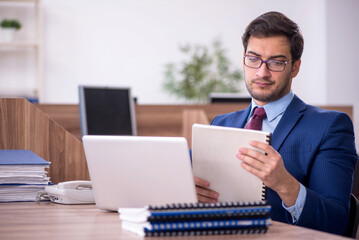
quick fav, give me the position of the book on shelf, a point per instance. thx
(22, 175)
(197, 219)
(214, 150)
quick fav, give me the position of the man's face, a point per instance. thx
(264, 85)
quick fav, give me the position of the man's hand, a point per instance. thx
(204, 194)
(270, 169)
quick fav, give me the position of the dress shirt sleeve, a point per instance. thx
(297, 208)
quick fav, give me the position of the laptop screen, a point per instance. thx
(134, 171)
(106, 111)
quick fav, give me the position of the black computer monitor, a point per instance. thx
(106, 111)
(229, 98)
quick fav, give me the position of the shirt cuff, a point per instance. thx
(297, 208)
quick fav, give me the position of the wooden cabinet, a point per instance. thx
(21, 60)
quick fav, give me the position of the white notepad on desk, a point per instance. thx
(214, 150)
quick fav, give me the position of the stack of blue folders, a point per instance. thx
(22, 175)
(197, 219)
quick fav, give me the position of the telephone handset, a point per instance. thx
(72, 192)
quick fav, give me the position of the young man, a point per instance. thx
(309, 166)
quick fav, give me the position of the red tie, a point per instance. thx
(256, 122)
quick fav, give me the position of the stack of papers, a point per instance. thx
(22, 175)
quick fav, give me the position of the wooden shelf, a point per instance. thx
(18, 92)
(8, 45)
(30, 43)
(15, 1)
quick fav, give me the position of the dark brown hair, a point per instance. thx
(276, 24)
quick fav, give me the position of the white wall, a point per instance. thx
(342, 56)
(128, 42)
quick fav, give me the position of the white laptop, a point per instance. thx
(132, 171)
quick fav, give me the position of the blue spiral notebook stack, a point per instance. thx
(197, 219)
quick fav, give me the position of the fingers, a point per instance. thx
(268, 167)
(252, 158)
(204, 194)
(253, 170)
(268, 149)
(252, 154)
(256, 158)
(201, 182)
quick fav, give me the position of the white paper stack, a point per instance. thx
(22, 175)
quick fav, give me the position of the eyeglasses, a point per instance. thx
(272, 64)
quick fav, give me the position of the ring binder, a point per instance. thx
(23, 175)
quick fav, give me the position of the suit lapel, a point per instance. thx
(240, 118)
(290, 118)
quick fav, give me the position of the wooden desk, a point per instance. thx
(53, 221)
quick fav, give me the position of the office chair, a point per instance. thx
(353, 218)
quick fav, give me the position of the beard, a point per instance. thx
(273, 91)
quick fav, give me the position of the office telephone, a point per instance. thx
(72, 192)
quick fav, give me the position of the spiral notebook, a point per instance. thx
(214, 150)
(197, 219)
(214, 227)
(196, 211)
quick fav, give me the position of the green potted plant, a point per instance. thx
(9, 27)
(206, 70)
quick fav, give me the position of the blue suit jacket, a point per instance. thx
(318, 149)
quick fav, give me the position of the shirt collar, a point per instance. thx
(276, 108)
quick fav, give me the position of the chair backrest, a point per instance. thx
(353, 218)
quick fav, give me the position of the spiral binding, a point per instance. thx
(212, 216)
(246, 230)
(269, 138)
(178, 206)
(264, 188)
